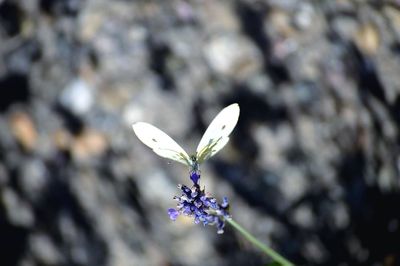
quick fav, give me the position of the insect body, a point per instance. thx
(213, 140)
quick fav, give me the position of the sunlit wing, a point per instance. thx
(160, 142)
(217, 133)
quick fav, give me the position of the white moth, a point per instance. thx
(213, 140)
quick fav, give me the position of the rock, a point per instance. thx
(34, 179)
(340, 216)
(18, 211)
(77, 96)
(367, 39)
(393, 18)
(23, 129)
(304, 217)
(62, 139)
(313, 250)
(280, 21)
(219, 17)
(232, 55)
(88, 144)
(3, 175)
(345, 27)
(44, 249)
(185, 11)
(304, 16)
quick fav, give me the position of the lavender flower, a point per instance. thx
(196, 203)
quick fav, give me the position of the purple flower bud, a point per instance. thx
(194, 194)
(198, 203)
(195, 176)
(173, 214)
(225, 202)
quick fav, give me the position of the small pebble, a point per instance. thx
(24, 129)
(77, 96)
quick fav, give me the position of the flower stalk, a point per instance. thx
(270, 252)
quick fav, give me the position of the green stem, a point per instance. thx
(270, 252)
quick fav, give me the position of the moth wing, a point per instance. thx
(217, 133)
(160, 142)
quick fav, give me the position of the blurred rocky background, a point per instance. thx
(312, 168)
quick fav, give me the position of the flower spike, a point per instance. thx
(196, 203)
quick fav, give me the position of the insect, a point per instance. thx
(213, 140)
